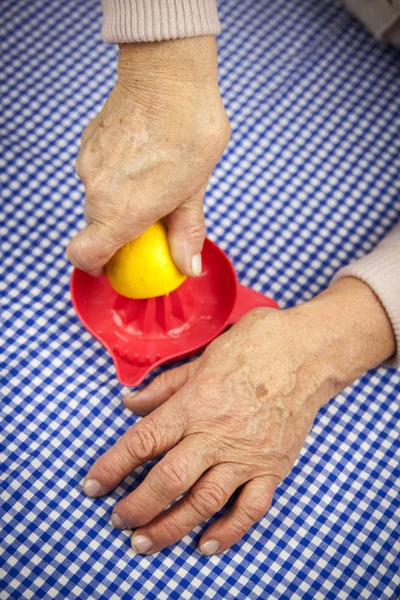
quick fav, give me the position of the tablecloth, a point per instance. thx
(309, 182)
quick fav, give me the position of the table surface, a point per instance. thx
(308, 183)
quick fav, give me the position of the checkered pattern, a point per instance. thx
(307, 184)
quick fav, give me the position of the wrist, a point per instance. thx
(173, 85)
(350, 328)
(170, 66)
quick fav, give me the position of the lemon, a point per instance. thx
(144, 267)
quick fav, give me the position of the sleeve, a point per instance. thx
(381, 17)
(381, 271)
(126, 21)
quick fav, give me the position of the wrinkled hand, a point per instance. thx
(238, 416)
(150, 152)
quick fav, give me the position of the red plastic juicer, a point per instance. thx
(142, 334)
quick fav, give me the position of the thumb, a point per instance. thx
(159, 390)
(186, 233)
(91, 249)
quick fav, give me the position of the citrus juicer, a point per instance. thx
(143, 334)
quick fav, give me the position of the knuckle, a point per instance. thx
(173, 475)
(197, 230)
(133, 514)
(223, 134)
(89, 131)
(108, 467)
(208, 498)
(170, 381)
(172, 529)
(85, 252)
(78, 166)
(84, 166)
(252, 510)
(105, 239)
(74, 255)
(236, 528)
(279, 463)
(70, 252)
(94, 186)
(219, 134)
(142, 441)
(165, 381)
(96, 180)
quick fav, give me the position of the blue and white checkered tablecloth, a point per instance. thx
(308, 183)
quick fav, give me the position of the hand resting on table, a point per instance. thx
(237, 417)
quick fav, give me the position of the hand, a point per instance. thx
(150, 152)
(237, 417)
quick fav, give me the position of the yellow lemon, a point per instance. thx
(144, 267)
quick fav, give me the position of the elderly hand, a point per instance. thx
(150, 152)
(238, 416)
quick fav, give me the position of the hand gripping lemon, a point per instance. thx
(144, 267)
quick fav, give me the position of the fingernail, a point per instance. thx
(195, 265)
(91, 487)
(141, 544)
(209, 547)
(117, 522)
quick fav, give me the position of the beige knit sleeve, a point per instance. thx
(381, 271)
(381, 17)
(156, 20)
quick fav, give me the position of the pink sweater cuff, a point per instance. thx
(156, 20)
(381, 271)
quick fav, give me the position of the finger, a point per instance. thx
(146, 440)
(169, 479)
(202, 501)
(91, 249)
(164, 386)
(251, 505)
(186, 233)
